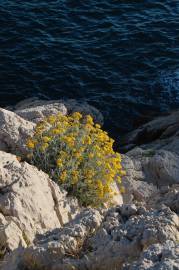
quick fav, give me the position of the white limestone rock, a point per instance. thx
(11, 236)
(30, 201)
(74, 105)
(158, 257)
(34, 109)
(164, 168)
(37, 113)
(137, 187)
(168, 197)
(103, 240)
(14, 132)
(160, 168)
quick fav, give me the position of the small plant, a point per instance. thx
(77, 154)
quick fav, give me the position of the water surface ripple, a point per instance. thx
(121, 56)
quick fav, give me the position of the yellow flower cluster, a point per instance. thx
(78, 155)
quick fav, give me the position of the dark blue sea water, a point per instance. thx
(120, 55)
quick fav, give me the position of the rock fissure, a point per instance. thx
(56, 206)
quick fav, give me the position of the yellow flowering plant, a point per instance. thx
(77, 154)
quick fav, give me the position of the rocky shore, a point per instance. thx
(41, 228)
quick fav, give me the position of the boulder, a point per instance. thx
(35, 109)
(37, 113)
(137, 187)
(74, 105)
(168, 196)
(160, 133)
(14, 132)
(128, 210)
(160, 167)
(163, 168)
(30, 203)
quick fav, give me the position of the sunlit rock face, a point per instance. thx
(30, 203)
(41, 227)
(14, 131)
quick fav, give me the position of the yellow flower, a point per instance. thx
(97, 126)
(46, 139)
(51, 119)
(91, 155)
(100, 190)
(39, 127)
(75, 177)
(107, 189)
(88, 127)
(63, 154)
(108, 166)
(88, 140)
(44, 146)
(30, 144)
(75, 173)
(60, 129)
(81, 149)
(123, 173)
(61, 117)
(118, 156)
(118, 179)
(80, 159)
(63, 176)
(97, 148)
(98, 154)
(89, 173)
(89, 120)
(77, 154)
(122, 189)
(77, 115)
(99, 163)
(69, 140)
(55, 131)
(59, 162)
(89, 181)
